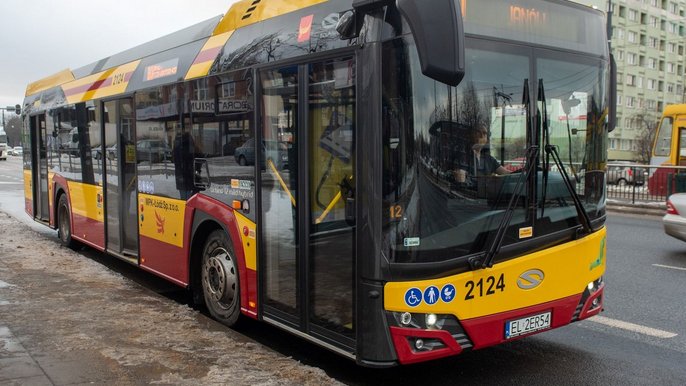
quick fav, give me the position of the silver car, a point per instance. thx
(674, 221)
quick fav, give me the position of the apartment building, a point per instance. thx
(648, 44)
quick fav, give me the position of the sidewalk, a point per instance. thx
(66, 319)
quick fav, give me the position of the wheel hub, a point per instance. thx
(219, 277)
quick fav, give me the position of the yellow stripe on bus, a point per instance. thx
(201, 69)
(103, 84)
(84, 200)
(249, 240)
(563, 271)
(246, 12)
(49, 82)
(28, 185)
(161, 218)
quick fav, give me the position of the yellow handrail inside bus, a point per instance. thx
(328, 208)
(281, 181)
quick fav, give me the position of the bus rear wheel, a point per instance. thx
(220, 281)
(64, 223)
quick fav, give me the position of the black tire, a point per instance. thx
(219, 277)
(242, 161)
(64, 223)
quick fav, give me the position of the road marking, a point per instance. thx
(669, 266)
(632, 327)
(9, 183)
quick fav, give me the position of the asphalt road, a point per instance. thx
(639, 339)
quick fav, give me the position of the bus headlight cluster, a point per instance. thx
(594, 285)
(423, 321)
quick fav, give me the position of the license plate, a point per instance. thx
(514, 328)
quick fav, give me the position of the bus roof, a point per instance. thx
(182, 55)
(674, 109)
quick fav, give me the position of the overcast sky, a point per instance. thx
(39, 38)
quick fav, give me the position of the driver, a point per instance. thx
(480, 162)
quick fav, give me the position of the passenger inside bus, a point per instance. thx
(183, 155)
(478, 162)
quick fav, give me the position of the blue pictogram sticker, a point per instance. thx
(448, 293)
(431, 295)
(413, 297)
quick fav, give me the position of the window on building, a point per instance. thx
(632, 37)
(652, 83)
(633, 15)
(613, 143)
(631, 80)
(652, 63)
(631, 58)
(630, 101)
(625, 144)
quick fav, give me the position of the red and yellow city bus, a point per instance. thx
(669, 149)
(296, 162)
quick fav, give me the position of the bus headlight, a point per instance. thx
(431, 320)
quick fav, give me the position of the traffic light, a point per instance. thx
(17, 109)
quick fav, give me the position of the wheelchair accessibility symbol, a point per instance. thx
(413, 297)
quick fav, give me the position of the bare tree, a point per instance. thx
(13, 130)
(646, 123)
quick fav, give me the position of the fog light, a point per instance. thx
(431, 320)
(419, 344)
(406, 318)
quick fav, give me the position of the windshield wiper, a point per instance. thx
(551, 150)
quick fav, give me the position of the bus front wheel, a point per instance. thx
(64, 223)
(220, 279)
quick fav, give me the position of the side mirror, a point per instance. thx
(439, 35)
(437, 29)
(612, 108)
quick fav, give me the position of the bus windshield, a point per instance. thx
(453, 155)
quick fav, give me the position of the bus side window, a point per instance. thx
(681, 157)
(663, 144)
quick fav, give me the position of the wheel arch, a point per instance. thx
(204, 223)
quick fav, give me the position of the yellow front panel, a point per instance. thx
(566, 269)
(84, 200)
(28, 185)
(242, 14)
(249, 241)
(103, 84)
(161, 218)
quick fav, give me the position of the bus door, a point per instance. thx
(308, 204)
(119, 132)
(39, 142)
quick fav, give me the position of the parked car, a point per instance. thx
(152, 150)
(625, 173)
(275, 151)
(674, 221)
(18, 150)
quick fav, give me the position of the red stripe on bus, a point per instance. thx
(107, 82)
(207, 55)
(88, 231)
(490, 330)
(166, 260)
